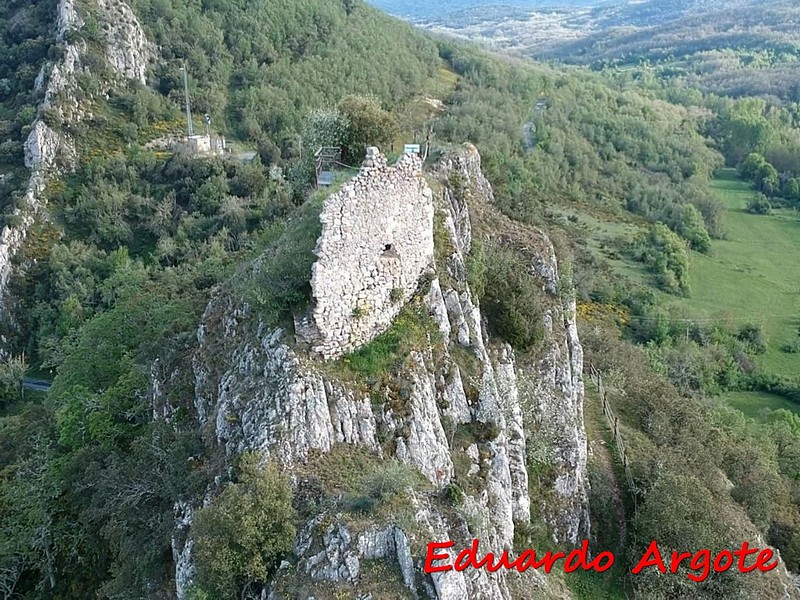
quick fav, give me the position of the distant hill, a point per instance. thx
(442, 10)
(728, 47)
(752, 50)
(620, 11)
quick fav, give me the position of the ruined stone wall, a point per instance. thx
(376, 243)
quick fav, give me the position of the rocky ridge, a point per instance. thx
(48, 151)
(458, 411)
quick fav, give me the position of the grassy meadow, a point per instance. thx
(751, 277)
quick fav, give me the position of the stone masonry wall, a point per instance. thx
(376, 243)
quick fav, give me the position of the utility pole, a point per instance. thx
(186, 93)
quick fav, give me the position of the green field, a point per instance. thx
(753, 275)
(753, 403)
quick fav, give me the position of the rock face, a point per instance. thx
(377, 240)
(68, 18)
(41, 148)
(558, 409)
(48, 151)
(551, 388)
(128, 51)
(459, 409)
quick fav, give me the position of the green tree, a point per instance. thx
(370, 125)
(512, 299)
(744, 128)
(750, 166)
(241, 537)
(325, 128)
(692, 227)
(12, 375)
(791, 191)
(667, 257)
(759, 205)
(766, 179)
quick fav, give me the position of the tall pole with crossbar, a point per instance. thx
(186, 94)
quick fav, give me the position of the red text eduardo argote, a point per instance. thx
(746, 559)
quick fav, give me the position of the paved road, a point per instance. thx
(37, 385)
(529, 129)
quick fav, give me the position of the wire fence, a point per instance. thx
(613, 422)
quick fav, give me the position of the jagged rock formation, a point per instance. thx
(128, 51)
(458, 409)
(552, 385)
(44, 148)
(377, 239)
(558, 411)
(48, 151)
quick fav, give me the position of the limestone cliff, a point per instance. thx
(48, 150)
(459, 408)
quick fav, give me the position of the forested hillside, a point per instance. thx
(747, 50)
(25, 44)
(607, 161)
(114, 278)
(136, 238)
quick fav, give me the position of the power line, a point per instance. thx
(341, 164)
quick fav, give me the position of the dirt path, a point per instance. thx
(603, 458)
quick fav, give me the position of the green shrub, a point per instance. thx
(792, 347)
(666, 256)
(381, 484)
(368, 125)
(279, 281)
(477, 269)
(513, 299)
(243, 535)
(392, 478)
(759, 205)
(453, 494)
(409, 331)
(752, 335)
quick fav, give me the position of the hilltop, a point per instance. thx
(267, 387)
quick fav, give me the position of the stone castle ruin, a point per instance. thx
(376, 243)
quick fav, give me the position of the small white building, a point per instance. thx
(199, 145)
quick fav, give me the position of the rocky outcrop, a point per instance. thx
(558, 411)
(68, 19)
(44, 151)
(551, 386)
(42, 148)
(268, 400)
(328, 550)
(457, 408)
(182, 549)
(128, 50)
(48, 151)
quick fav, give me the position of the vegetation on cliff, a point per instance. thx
(116, 278)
